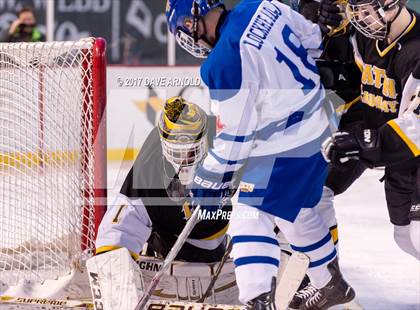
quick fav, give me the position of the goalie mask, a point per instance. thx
(183, 134)
(183, 17)
(373, 18)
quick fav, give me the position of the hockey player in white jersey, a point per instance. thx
(267, 95)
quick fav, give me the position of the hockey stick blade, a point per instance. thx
(293, 275)
(172, 305)
(169, 259)
(11, 302)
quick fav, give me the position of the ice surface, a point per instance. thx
(383, 276)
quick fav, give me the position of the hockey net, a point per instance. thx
(52, 157)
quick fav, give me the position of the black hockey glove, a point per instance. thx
(361, 145)
(329, 16)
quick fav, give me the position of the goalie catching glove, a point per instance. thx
(360, 145)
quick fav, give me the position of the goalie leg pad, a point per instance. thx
(115, 280)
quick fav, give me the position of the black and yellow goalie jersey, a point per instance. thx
(150, 179)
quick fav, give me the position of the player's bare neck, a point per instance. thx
(399, 26)
(210, 21)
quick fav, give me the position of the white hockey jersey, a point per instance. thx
(266, 93)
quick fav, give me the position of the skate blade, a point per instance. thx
(352, 305)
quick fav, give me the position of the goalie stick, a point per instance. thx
(23, 303)
(169, 259)
(31, 303)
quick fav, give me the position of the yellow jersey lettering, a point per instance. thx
(367, 76)
(377, 77)
(389, 89)
(379, 103)
(379, 74)
(393, 106)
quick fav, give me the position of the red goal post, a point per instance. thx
(99, 134)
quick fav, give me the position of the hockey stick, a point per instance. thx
(13, 302)
(294, 4)
(291, 277)
(218, 271)
(169, 259)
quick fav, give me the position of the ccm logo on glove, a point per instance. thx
(209, 184)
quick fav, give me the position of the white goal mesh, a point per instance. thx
(51, 156)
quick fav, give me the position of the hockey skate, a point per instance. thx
(306, 290)
(264, 301)
(336, 292)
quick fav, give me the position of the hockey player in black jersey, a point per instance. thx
(386, 44)
(380, 127)
(152, 205)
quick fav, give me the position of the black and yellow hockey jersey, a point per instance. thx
(146, 181)
(390, 89)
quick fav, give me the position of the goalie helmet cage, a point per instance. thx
(52, 157)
